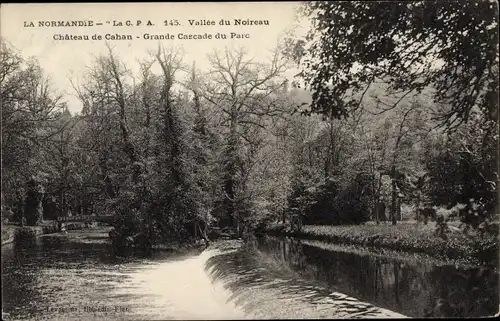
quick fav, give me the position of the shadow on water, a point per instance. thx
(267, 288)
(415, 288)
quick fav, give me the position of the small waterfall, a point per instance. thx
(179, 289)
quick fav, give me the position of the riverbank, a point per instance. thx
(413, 238)
(10, 232)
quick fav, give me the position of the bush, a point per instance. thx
(25, 234)
(327, 203)
(441, 227)
(50, 228)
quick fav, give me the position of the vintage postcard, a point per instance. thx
(249, 160)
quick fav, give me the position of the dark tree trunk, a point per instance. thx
(33, 208)
(398, 209)
(418, 207)
(377, 202)
(393, 195)
(229, 184)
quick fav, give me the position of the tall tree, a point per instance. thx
(449, 46)
(245, 91)
(29, 117)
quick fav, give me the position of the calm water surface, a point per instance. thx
(77, 277)
(411, 285)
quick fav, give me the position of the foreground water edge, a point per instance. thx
(77, 276)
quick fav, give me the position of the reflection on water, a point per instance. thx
(267, 288)
(412, 287)
(78, 278)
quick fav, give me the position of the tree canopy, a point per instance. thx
(448, 46)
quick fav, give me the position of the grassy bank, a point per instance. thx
(478, 249)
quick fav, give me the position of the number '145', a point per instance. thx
(172, 22)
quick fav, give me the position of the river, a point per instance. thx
(76, 276)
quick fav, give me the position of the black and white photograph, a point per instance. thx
(249, 160)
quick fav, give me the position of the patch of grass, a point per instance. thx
(414, 238)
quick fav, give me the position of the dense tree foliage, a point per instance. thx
(407, 74)
(30, 120)
(167, 152)
(451, 46)
(172, 151)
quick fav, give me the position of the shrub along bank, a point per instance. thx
(13, 232)
(479, 249)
